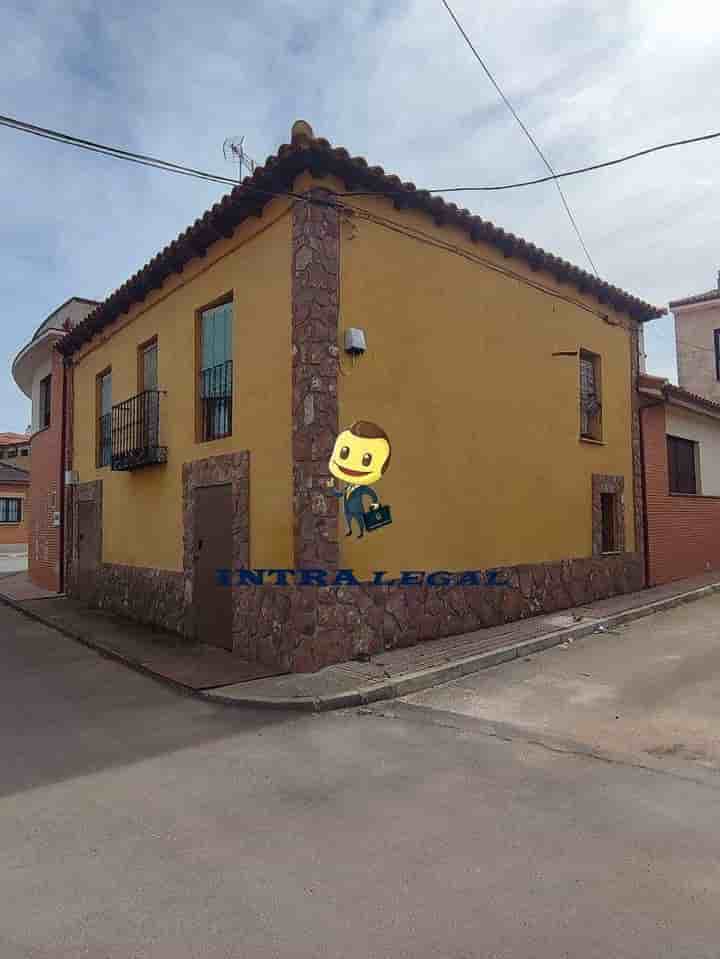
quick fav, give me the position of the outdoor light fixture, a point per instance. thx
(355, 343)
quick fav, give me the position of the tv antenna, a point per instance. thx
(234, 152)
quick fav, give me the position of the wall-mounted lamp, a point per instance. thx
(355, 343)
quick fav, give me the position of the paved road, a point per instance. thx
(138, 823)
(650, 689)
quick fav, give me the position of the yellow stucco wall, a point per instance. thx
(142, 510)
(487, 466)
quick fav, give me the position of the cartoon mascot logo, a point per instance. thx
(360, 457)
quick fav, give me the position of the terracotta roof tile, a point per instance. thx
(317, 156)
(10, 439)
(698, 298)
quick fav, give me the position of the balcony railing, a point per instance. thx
(216, 391)
(136, 432)
(104, 456)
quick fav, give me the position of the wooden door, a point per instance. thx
(88, 537)
(213, 552)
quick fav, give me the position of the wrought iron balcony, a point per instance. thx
(136, 432)
(216, 393)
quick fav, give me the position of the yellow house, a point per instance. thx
(206, 395)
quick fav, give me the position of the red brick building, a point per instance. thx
(39, 372)
(14, 485)
(681, 468)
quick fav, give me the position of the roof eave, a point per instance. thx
(319, 158)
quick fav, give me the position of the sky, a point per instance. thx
(391, 81)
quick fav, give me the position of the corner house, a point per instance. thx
(208, 391)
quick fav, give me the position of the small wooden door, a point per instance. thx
(213, 551)
(88, 537)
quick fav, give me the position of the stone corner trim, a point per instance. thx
(315, 364)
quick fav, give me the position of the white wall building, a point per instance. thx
(697, 335)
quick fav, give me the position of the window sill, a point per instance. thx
(14, 523)
(215, 439)
(591, 441)
(611, 552)
(694, 495)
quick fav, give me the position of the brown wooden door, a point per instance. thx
(88, 540)
(213, 551)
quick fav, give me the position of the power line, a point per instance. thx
(170, 167)
(525, 130)
(420, 236)
(547, 179)
(120, 154)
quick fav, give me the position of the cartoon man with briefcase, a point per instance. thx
(361, 456)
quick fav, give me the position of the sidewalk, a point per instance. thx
(218, 675)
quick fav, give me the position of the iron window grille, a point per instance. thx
(216, 394)
(590, 405)
(105, 440)
(136, 432)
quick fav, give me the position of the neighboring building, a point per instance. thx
(697, 338)
(15, 449)
(38, 371)
(681, 452)
(14, 484)
(207, 392)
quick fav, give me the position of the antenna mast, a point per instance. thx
(234, 152)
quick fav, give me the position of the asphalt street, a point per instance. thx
(136, 822)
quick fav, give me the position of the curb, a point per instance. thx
(403, 685)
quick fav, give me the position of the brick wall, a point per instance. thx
(12, 534)
(45, 490)
(683, 531)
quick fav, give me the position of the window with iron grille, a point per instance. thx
(590, 405)
(104, 434)
(682, 469)
(10, 509)
(215, 386)
(608, 509)
(45, 402)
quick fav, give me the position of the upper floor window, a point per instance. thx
(12, 452)
(682, 465)
(45, 401)
(590, 393)
(10, 509)
(148, 366)
(716, 340)
(215, 388)
(25, 451)
(104, 407)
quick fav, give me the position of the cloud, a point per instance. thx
(393, 82)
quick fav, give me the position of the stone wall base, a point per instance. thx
(303, 628)
(151, 596)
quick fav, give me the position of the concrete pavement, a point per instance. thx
(222, 676)
(136, 822)
(13, 559)
(648, 689)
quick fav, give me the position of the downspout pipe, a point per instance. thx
(63, 465)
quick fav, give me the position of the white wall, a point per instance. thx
(695, 343)
(703, 430)
(40, 373)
